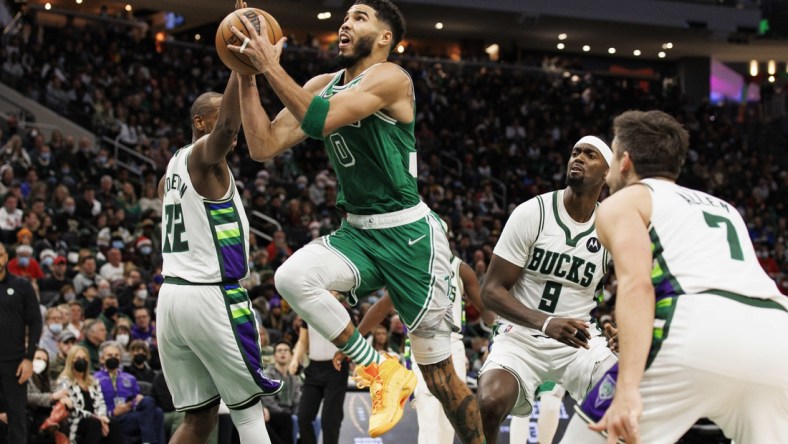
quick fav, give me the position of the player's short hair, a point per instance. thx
(203, 104)
(389, 14)
(656, 142)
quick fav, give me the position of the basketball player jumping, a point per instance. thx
(714, 346)
(541, 282)
(365, 115)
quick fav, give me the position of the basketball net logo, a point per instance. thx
(593, 245)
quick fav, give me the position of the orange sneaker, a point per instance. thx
(390, 385)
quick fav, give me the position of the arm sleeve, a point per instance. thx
(32, 318)
(520, 233)
(37, 399)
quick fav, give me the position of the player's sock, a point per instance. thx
(359, 350)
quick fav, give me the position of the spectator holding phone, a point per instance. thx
(136, 414)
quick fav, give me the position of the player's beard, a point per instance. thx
(574, 181)
(361, 48)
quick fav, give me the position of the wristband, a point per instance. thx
(315, 118)
(546, 321)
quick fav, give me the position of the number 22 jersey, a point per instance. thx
(203, 241)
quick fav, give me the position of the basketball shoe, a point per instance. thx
(390, 384)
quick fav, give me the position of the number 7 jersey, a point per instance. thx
(562, 260)
(700, 244)
(203, 241)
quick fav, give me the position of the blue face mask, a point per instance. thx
(47, 261)
(146, 250)
(56, 328)
(45, 156)
(24, 261)
(118, 244)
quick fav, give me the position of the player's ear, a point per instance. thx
(199, 123)
(385, 38)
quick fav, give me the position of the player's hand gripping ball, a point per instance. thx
(240, 63)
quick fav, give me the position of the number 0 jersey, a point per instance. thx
(203, 241)
(701, 244)
(374, 159)
(563, 261)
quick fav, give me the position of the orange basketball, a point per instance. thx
(224, 36)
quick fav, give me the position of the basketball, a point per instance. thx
(224, 36)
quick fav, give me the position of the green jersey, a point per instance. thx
(374, 159)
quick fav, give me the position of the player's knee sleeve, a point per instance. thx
(304, 279)
(251, 424)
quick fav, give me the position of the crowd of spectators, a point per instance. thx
(86, 232)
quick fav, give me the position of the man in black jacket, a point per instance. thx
(21, 319)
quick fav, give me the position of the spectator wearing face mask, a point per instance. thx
(137, 414)
(53, 328)
(109, 311)
(140, 357)
(89, 419)
(24, 264)
(46, 259)
(144, 257)
(41, 397)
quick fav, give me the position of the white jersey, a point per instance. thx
(563, 261)
(456, 293)
(701, 244)
(203, 241)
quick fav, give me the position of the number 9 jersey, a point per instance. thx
(203, 241)
(563, 261)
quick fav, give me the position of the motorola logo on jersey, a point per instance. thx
(593, 244)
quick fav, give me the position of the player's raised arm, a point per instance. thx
(389, 89)
(212, 150)
(268, 138)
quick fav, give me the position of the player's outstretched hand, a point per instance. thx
(260, 51)
(622, 419)
(570, 331)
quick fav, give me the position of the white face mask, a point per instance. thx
(142, 294)
(122, 339)
(39, 365)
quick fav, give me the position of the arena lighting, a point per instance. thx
(771, 79)
(492, 49)
(560, 46)
(562, 36)
(128, 8)
(439, 25)
(47, 6)
(753, 68)
(324, 15)
(79, 2)
(611, 50)
(661, 54)
(401, 49)
(586, 48)
(636, 53)
(197, 37)
(771, 67)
